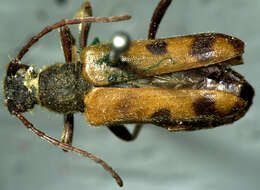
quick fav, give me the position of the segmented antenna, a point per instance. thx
(68, 147)
(67, 22)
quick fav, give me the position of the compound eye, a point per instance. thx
(13, 67)
(11, 106)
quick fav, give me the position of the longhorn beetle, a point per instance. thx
(177, 83)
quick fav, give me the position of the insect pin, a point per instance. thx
(177, 83)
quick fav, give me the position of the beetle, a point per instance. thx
(178, 83)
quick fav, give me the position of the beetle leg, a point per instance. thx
(67, 133)
(157, 17)
(68, 44)
(122, 132)
(84, 11)
(70, 54)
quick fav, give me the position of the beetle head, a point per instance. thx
(20, 94)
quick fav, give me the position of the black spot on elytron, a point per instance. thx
(205, 106)
(247, 93)
(157, 47)
(162, 116)
(202, 46)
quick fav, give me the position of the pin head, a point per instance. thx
(120, 44)
(120, 41)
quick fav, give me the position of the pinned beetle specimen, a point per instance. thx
(177, 83)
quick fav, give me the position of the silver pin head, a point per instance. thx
(120, 44)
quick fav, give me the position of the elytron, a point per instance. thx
(177, 83)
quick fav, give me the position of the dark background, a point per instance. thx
(222, 158)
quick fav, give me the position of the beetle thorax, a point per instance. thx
(62, 88)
